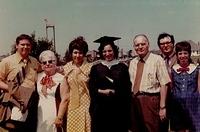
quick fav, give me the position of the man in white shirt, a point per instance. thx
(149, 77)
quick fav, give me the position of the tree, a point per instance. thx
(41, 45)
(67, 57)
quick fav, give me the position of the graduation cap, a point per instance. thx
(106, 39)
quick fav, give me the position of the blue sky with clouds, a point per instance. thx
(95, 18)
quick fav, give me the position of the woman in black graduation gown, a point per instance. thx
(110, 90)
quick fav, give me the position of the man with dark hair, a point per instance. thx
(18, 73)
(166, 44)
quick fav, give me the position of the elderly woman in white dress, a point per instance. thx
(53, 95)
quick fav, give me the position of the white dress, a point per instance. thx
(47, 105)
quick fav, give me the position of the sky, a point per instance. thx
(93, 19)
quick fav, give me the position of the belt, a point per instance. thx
(146, 94)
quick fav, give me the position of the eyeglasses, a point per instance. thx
(49, 62)
(165, 43)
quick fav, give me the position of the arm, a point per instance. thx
(64, 93)
(199, 81)
(106, 91)
(164, 79)
(130, 70)
(163, 95)
(92, 83)
(93, 89)
(3, 86)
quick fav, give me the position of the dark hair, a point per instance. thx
(163, 35)
(78, 43)
(114, 47)
(24, 36)
(183, 46)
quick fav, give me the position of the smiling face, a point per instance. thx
(166, 46)
(183, 58)
(24, 48)
(141, 45)
(77, 57)
(108, 53)
(48, 64)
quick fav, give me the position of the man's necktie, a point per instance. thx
(167, 61)
(140, 67)
(22, 72)
(24, 66)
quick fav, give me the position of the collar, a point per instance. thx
(84, 62)
(70, 66)
(110, 63)
(19, 59)
(170, 56)
(144, 58)
(191, 67)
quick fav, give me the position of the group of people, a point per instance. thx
(150, 94)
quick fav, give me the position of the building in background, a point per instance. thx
(195, 55)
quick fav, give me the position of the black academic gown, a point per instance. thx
(110, 113)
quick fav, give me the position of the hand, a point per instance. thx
(162, 114)
(111, 92)
(58, 122)
(106, 91)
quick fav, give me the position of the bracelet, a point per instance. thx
(164, 107)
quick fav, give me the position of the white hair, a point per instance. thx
(47, 53)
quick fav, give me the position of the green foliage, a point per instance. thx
(67, 57)
(40, 45)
